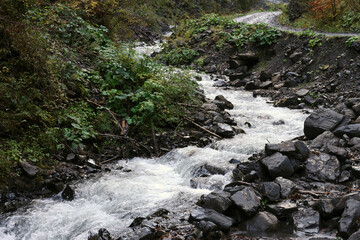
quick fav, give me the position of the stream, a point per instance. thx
(113, 199)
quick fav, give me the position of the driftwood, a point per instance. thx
(202, 128)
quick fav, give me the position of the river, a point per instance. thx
(114, 199)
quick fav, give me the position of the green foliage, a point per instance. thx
(265, 35)
(315, 42)
(179, 56)
(315, 39)
(352, 40)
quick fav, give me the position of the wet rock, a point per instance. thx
(225, 130)
(310, 100)
(70, 157)
(29, 169)
(296, 56)
(350, 217)
(302, 149)
(207, 227)
(287, 148)
(201, 214)
(344, 176)
(282, 209)
(206, 182)
(247, 201)
(219, 104)
(351, 130)
(238, 130)
(324, 139)
(270, 190)
(250, 85)
(234, 161)
(355, 236)
(339, 152)
(137, 221)
(354, 141)
(265, 75)
(102, 234)
(228, 104)
(277, 123)
(234, 64)
(220, 83)
(145, 233)
(302, 92)
(287, 101)
(326, 208)
(262, 222)
(159, 213)
(247, 171)
(238, 83)
(68, 193)
(208, 169)
(278, 165)
(322, 167)
(287, 187)
(210, 107)
(321, 121)
(217, 200)
(306, 220)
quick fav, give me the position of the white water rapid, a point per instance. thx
(115, 198)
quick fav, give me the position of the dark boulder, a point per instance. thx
(287, 187)
(278, 165)
(324, 139)
(321, 121)
(355, 236)
(306, 220)
(247, 171)
(29, 169)
(208, 169)
(322, 167)
(282, 209)
(217, 200)
(302, 149)
(102, 234)
(68, 193)
(349, 222)
(247, 201)
(262, 222)
(351, 130)
(225, 130)
(270, 190)
(228, 104)
(326, 208)
(201, 214)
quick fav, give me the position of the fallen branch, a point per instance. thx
(202, 128)
(111, 113)
(109, 160)
(127, 138)
(313, 193)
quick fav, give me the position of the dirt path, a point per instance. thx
(270, 18)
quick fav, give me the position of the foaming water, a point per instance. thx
(115, 198)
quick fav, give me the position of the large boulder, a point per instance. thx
(270, 190)
(228, 104)
(322, 167)
(352, 130)
(321, 121)
(262, 222)
(350, 217)
(324, 139)
(201, 214)
(278, 165)
(282, 209)
(287, 187)
(306, 220)
(225, 130)
(217, 200)
(29, 169)
(247, 201)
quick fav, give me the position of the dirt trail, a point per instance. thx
(270, 18)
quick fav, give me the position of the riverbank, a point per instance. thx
(310, 184)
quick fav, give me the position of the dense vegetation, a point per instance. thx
(210, 30)
(65, 78)
(324, 15)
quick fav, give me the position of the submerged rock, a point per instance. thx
(68, 193)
